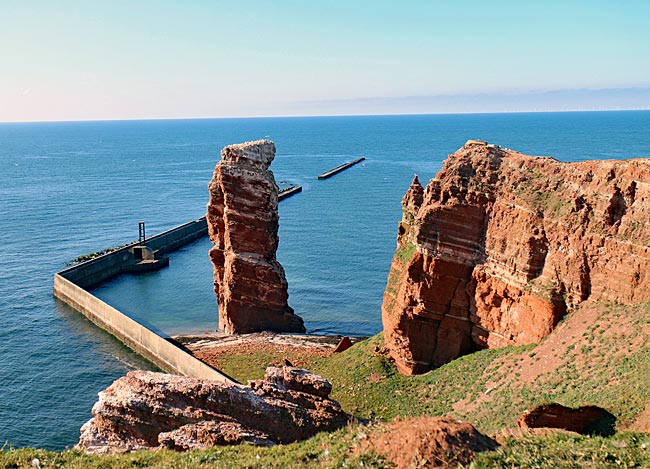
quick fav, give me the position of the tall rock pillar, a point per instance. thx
(242, 220)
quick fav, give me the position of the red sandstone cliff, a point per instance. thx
(500, 245)
(242, 220)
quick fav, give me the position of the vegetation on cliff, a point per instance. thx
(499, 246)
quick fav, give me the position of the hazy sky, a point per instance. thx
(72, 60)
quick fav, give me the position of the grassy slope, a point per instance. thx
(566, 450)
(600, 355)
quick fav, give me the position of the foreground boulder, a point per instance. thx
(242, 217)
(585, 420)
(148, 410)
(428, 442)
(500, 245)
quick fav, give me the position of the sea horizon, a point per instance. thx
(297, 116)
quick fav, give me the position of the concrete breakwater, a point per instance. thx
(96, 271)
(155, 348)
(288, 192)
(70, 286)
(338, 169)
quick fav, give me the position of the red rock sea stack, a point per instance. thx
(242, 220)
(501, 245)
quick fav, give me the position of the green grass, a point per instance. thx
(403, 255)
(337, 450)
(565, 450)
(484, 388)
(404, 252)
(367, 384)
(248, 367)
(326, 450)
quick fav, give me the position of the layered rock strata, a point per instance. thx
(242, 218)
(148, 410)
(500, 245)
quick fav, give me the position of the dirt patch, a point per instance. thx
(642, 422)
(296, 349)
(584, 331)
(427, 442)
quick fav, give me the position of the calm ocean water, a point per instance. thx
(72, 188)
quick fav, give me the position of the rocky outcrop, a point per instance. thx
(242, 221)
(500, 245)
(147, 410)
(587, 419)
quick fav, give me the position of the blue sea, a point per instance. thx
(72, 188)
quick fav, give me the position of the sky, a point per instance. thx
(141, 59)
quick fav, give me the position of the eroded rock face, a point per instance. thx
(242, 220)
(147, 410)
(500, 245)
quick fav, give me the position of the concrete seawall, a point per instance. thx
(177, 237)
(94, 272)
(147, 343)
(70, 287)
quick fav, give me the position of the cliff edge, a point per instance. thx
(501, 245)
